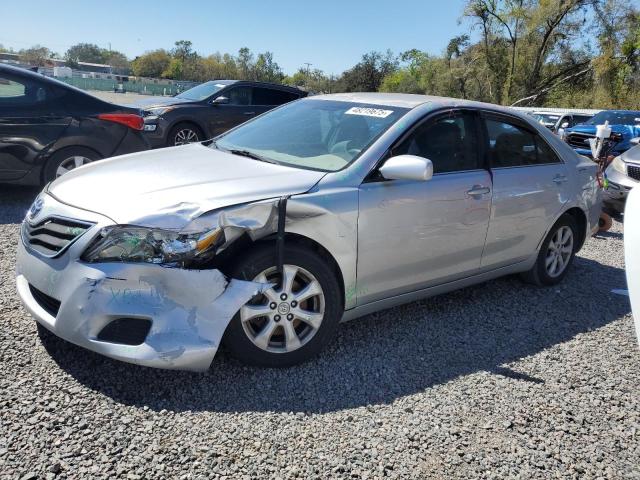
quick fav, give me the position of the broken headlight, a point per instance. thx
(151, 245)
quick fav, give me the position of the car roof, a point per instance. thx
(410, 100)
(278, 86)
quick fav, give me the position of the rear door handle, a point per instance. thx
(249, 113)
(560, 179)
(478, 190)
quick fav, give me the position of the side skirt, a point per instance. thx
(390, 302)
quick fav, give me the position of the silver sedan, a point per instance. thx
(322, 210)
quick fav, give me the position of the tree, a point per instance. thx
(118, 61)
(175, 70)
(37, 55)
(266, 69)
(368, 74)
(245, 64)
(151, 64)
(84, 52)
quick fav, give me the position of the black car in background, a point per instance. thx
(210, 109)
(48, 127)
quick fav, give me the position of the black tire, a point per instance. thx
(62, 156)
(183, 126)
(538, 275)
(262, 258)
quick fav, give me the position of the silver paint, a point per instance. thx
(392, 242)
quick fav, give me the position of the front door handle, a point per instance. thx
(249, 113)
(560, 179)
(478, 190)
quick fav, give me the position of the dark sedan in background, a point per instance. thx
(210, 109)
(48, 128)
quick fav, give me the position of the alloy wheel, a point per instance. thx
(559, 251)
(284, 319)
(185, 136)
(70, 163)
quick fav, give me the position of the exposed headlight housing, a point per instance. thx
(150, 245)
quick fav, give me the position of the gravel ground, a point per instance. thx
(494, 381)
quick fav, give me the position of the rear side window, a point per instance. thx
(514, 146)
(17, 93)
(269, 96)
(449, 142)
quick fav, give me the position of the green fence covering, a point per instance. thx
(130, 86)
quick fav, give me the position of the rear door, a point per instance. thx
(529, 189)
(32, 118)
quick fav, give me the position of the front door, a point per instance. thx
(227, 115)
(32, 118)
(414, 234)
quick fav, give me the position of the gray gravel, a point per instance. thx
(499, 380)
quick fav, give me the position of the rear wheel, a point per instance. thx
(290, 323)
(556, 253)
(66, 160)
(184, 133)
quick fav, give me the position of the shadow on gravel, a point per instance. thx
(15, 201)
(382, 357)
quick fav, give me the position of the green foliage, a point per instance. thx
(84, 52)
(151, 64)
(368, 74)
(533, 52)
(36, 55)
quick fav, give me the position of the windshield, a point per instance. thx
(615, 118)
(202, 91)
(546, 117)
(317, 134)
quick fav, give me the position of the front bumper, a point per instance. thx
(619, 186)
(189, 310)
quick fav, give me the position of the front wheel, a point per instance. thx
(556, 253)
(183, 134)
(292, 321)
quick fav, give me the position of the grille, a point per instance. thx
(633, 171)
(579, 140)
(49, 304)
(52, 235)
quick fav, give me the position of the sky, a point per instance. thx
(331, 35)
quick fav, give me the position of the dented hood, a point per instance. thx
(169, 187)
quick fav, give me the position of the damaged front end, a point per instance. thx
(143, 293)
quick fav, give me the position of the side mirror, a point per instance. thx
(635, 141)
(564, 125)
(220, 100)
(407, 167)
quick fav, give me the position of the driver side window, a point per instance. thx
(449, 142)
(239, 96)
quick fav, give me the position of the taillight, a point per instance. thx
(128, 119)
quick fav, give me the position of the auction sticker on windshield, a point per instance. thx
(369, 112)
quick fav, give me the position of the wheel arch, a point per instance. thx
(580, 217)
(53, 152)
(240, 248)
